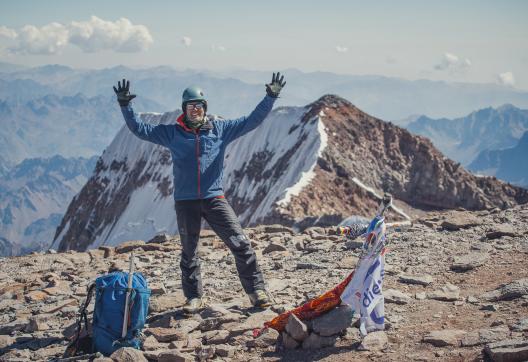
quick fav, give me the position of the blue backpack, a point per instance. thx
(110, 297)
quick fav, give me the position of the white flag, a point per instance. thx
(364, 292)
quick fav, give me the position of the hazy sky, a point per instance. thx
(467, 41)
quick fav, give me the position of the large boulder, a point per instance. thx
(333, 322)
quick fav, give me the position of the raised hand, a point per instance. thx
(277, 83)
(123, 93)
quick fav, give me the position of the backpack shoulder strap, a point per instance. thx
(73, 347)
(84, 307)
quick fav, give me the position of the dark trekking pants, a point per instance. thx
(222, 219)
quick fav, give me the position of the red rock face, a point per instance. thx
(386, 158)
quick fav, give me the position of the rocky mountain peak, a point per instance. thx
(365, 155)
(331, 100)
(313, 165)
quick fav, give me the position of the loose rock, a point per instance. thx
(128, 246)
(416, 279)
(513, 290)
(521, 325)
(508, 350)
(486, 335)
(273, 247)
(501, 230)
(374, 341)
(128, 354)
(469, 261)
(288, 341)
(446, 337)
(296, 328)
(315, 341)
(174, 356)
(456, 221)
(448, 293)
(267, 338)
(396, 297)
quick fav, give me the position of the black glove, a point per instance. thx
(122, 92)
(277, 82)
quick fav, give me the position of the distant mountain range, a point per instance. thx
(462, 139)
(39, 105)
(71, 126)
(233, 93)
(510, 164)
(33, 198)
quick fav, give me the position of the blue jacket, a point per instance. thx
(197, 156)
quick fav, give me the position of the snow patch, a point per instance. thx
(307, 176)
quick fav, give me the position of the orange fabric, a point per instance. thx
(312, 308)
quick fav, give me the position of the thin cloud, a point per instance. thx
(90, 36)
(186, 41)
(453, 64)
(341, 49)
(506, 79)
(391, 60)
(218, 48)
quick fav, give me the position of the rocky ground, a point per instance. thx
(456, 289)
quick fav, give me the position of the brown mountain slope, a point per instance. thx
(386, 158)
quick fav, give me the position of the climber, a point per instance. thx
(197, 143)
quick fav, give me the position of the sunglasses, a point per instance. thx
(191, 106)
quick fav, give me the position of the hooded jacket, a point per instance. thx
(197, 156)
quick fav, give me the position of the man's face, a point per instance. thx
(194, 111)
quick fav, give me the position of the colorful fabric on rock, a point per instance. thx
(313, 308)
(362, 289)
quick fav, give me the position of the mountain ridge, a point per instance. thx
(463, 138)
(33, 197)
(312, 153)
(509, 164)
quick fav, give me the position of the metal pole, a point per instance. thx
(129, 290)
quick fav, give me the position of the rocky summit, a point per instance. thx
(456, 286)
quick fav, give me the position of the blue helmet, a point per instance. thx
(193, 94)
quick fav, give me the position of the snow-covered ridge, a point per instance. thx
(271, 163)
(288, 147)
(306, 176)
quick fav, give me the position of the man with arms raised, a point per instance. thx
(197, 144)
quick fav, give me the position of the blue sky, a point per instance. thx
(466, 41)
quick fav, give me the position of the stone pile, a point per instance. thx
(320, 332)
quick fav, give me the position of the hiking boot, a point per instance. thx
(260, 298)
(193, 305)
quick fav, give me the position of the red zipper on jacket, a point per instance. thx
(179, 120)
(197, 133)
